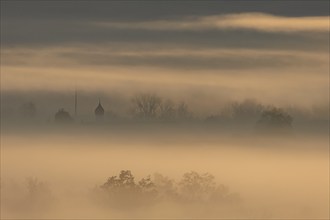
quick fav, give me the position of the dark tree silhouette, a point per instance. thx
(146, 106)
(63, 116)
(146, 184)
(123, 192)
(248, 110)
(124, 180)
(238, 113)
(183, 111)
(274, 120)
(167, 110)
(148, 189)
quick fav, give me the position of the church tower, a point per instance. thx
(75, 103)
(99, 111)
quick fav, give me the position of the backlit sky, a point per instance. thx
(273, 51)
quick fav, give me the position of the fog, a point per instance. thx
(167, 109)
(58, 172)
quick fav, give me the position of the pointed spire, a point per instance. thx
(99, 111)
(75, 102)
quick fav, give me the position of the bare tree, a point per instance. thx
(146, 105)
(248, 110)
(167, 110)
(183, 111)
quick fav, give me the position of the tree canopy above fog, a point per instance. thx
(124, 191)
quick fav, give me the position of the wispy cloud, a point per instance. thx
(285, 75)
(167, 58)
(254, 21)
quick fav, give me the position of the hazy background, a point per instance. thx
(275, 52)
(211, 55)
(274, 178)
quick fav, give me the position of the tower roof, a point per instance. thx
(99, 109)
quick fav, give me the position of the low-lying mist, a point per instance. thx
(164, 109)
(150, 171)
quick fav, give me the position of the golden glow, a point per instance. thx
(254, 21)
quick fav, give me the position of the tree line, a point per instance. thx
(124, 191)
(151, 107)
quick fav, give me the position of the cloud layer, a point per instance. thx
(167, 58)
(275, 52)
(254, 21)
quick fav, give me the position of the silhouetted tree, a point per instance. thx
(240, 113)
(147, 189)
(123, 192)
(146, 184)
(146, 105)
(167, 110)
(274, 120)
(124, 180)
(248, 110)
(183, 111)
(63, 116)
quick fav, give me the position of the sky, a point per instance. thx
(272, 51)
(205, 53)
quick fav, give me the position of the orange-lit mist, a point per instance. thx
(275, 177)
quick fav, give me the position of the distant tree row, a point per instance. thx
(123, 191)
(151, 106)
(274, 120)
(249, 112)
(265, 118)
